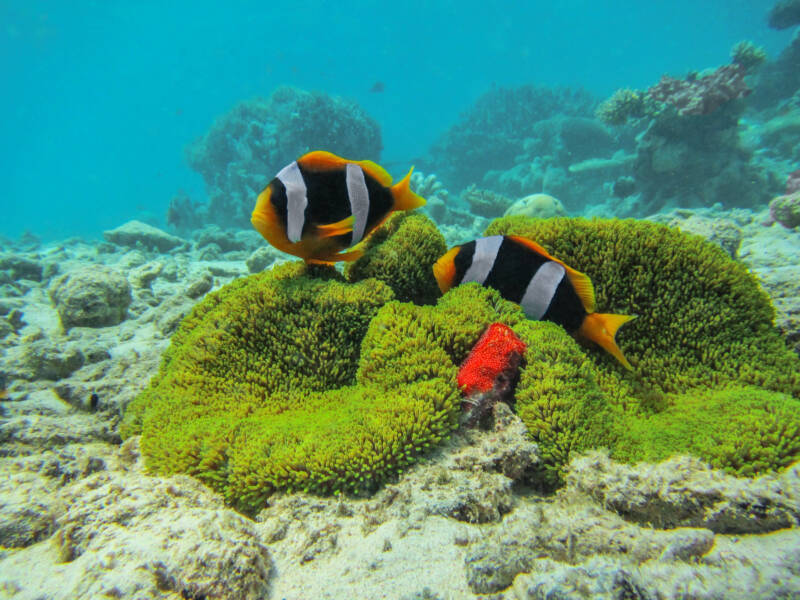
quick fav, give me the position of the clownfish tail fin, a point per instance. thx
(404, 197)
(602, 329)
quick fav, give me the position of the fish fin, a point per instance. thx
(320, 160)
(333, 258)
(602, 329)
(377, 172)
(444, 270)
(333, 229)
(580, 282)
(404, 197)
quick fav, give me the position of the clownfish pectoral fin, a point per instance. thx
(330, 259)
(601, 329)
(582, 284)
(349, 256)
(444, 270)
(404, 197)
(332, 229)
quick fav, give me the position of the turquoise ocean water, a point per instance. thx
(100, 98)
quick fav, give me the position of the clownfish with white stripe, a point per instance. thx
(322, 204)
(546, 289)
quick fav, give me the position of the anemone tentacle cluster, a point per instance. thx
(302, 379)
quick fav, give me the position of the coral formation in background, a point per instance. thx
(485, 203)
(492, 133)
(537, 206)
(784, 14)
(777, 81)
(701, 95)
(786, 210)
(246, 147)
(690, 152)
(624, 104)
(748, 56)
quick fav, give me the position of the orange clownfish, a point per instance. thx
(322, 204)
(546, 289)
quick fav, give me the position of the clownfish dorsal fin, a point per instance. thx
(334, 229)
(377, 172)
(320, 160)
(580, 282)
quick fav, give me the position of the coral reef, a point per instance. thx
(689, 151)
(401, 253)
(537, 206)
(748, 56)
(91, 297)
(704, 94)
(245, 148)
(624, 104)
(491, 134)
(451, 212)
(463, 519)
(697, 160)
(485, 203)
(793, 182)
(135, 234)
(786, 210)
(777, 81)
(784, 14)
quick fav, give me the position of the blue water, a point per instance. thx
(99, 98)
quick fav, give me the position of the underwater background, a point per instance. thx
(560, 358)
(102, 97)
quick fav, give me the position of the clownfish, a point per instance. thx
(322, 204)
(546, 289)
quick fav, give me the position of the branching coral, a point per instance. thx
(623, 104)
(748, 55)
